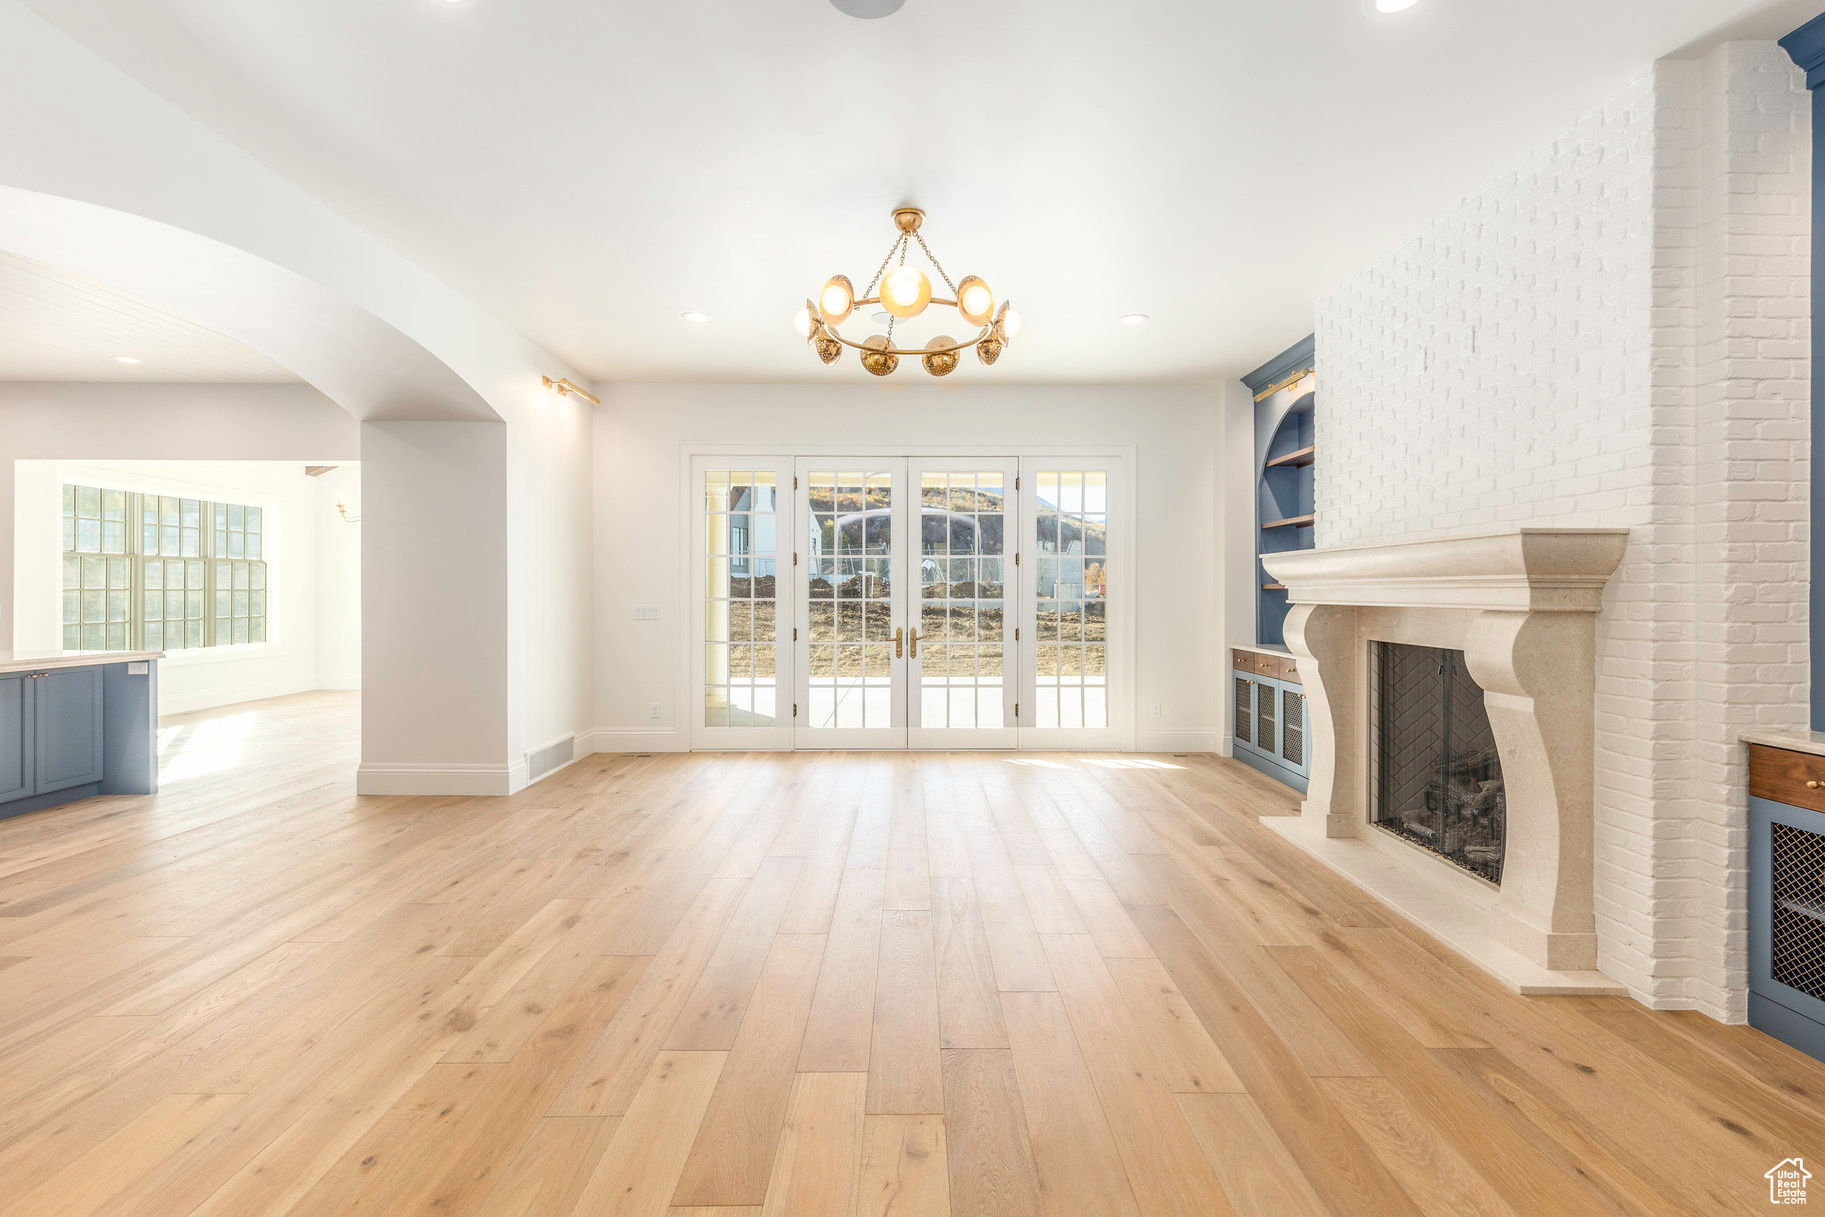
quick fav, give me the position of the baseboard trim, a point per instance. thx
(1176, 741)
(437, 779)
(629, 739)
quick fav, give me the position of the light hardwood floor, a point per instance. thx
(987, 985)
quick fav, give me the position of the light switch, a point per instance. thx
(138, 667)
(646, 612)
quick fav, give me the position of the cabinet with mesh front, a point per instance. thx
(1787, 904)
(1269, 718)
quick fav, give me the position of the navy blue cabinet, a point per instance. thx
(68, 722)
(1787, 923)
(1270, 716)
(51, 736)
(16, 735)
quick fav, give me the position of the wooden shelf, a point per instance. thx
(1296, 459)
(1273, 587)
(1304, 521)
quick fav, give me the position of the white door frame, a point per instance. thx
(1119, 459)
(902, 500)
(693, 618)
(1006, 736)
(1118, 609)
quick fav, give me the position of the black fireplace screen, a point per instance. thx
(1438, 780)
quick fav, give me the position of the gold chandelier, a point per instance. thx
(905, 292)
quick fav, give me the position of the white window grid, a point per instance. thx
(849, 598)
(741, 616)
(963, 603)
(1071, 603)
(201, 571)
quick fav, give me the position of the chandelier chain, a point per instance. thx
(875, 282)
(935, 263)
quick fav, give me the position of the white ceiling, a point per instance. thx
(589, 169)
(59, 326)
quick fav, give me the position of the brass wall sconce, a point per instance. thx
(565, 387)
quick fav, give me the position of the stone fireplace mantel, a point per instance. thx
(1522, 607)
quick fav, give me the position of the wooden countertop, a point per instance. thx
(1282, 652)
(39, 661)
(1793, 741)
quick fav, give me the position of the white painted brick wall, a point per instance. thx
(1614, 334)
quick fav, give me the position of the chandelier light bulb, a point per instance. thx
(802, 323)
(1010, 323)
(975, 301)
(905, 292)
(837, 298)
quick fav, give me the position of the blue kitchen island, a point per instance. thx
(74, 724)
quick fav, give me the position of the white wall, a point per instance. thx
(641, 430)
(1612, 334)
(302, 604)
(338, 579)
(434, 500)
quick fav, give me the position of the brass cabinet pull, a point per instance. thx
(1812, 785)
(915, 642)
(899, 643)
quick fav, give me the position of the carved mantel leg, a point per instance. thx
(1323, 639)
(1538, 675)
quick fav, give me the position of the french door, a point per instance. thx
(882, 602)
(902, 633)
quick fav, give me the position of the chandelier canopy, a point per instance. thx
(904, 292)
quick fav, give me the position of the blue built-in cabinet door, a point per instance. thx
(15, 735)
(68, 719)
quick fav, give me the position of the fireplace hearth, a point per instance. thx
(1437, 771)
(1450, 707)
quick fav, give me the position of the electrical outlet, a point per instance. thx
(654, 712)
(1156, 709)
(646, 612)
(1470, 340)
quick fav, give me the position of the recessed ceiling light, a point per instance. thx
(1133, 319)
(1391, 6)
(125, 359)
(868, 9)
(696, 316)
(881, 318)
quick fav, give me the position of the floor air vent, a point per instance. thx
(550, 757)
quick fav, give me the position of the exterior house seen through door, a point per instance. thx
(889, 602)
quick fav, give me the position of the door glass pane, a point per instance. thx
(961, 607)
(1071, 658)
(849, 607)
(741, 598)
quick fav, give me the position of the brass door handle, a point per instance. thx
(899, 643)
(915, 642)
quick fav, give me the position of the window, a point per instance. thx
(200, 565)
(741, 598)
(1071, 652)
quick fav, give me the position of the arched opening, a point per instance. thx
(357, 394)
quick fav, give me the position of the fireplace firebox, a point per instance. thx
(1437, 774)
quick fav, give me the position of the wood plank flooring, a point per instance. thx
(798, 985)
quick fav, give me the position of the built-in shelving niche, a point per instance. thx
(1287, 453)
